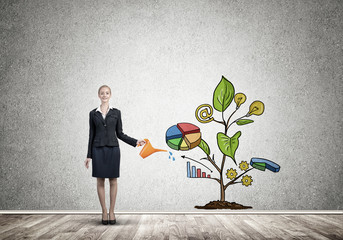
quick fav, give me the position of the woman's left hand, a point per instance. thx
(140, 142)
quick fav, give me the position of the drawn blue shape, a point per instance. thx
(188, 169)
(194, 174)
(170, 153)
(272, 166)
(169, 156)
(173, 132)
(173, 159)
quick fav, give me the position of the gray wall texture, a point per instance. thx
(163, 59)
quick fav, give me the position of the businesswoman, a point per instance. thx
(105, 125)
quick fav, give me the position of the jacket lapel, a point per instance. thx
(98, 114)
(110, 112)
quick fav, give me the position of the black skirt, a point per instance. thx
(105, 162)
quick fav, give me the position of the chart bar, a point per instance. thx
(193, 172)
(203, 174)
(188, 169)
(208, 175)
(198, 172)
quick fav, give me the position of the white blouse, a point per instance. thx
(104, 114)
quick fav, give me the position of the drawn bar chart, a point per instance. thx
(193, 172)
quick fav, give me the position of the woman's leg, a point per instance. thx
(113, 196)
(101, 193)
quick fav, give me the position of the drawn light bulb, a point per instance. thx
(240, 99)
(256, 108)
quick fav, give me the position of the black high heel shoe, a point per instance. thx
(105, 222)
(112, 222)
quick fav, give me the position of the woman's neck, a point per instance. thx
(104, 105)
(104, 108)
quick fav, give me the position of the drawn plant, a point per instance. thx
(223, 96)
(186, 136)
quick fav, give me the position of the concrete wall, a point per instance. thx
(163, 59)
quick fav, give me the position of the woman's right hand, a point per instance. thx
(87, 162)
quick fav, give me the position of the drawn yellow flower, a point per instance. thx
(246, 180)
(232, 173)
(243, 165)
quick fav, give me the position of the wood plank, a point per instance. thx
(266, 227)
(35, 219)
(11, 222)
(94, 227)
(240, 223)
(145, 228)
(16, 224)
(335, 220)
(192, 228)
(114, 230)
(71, 236)
(161, 227)
(34, 231)
(39, 229)
(10, 218)
(130, 228)
(285, 228)
(68, 224)
(322, 227)
(177, 229)
(305, 227)
(211, 227)
(229, 223)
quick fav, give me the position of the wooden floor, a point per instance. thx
(172, 227)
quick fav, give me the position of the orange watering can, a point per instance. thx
(147, 150)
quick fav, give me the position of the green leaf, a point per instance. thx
(204, 146)
(227, 145)
(244, 121)
(223, 95)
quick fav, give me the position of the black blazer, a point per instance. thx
(104, 132)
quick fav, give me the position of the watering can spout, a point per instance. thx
(148, 149)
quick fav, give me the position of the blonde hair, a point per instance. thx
(103, 87)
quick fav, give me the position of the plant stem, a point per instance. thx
(222, 188)
(236, 121)
(233, 181)
(226, 125)
(213, 163)
(219, 121)
(224, 119)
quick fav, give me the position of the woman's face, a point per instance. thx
(104, 94)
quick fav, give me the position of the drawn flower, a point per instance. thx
(243, 165)
(246, 180)
(232, 173)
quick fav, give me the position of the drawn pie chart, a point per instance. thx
(263, 164)
(183, 136)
